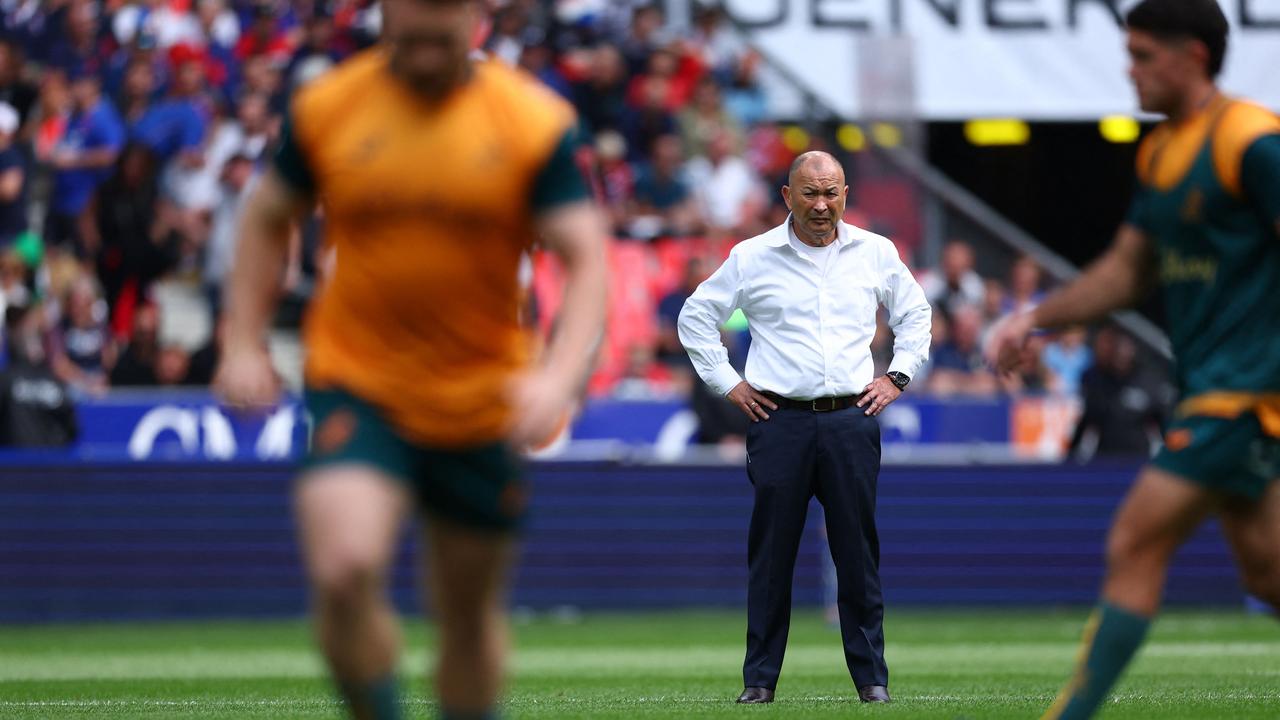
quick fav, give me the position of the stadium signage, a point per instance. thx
(996, 15)
(965, 59)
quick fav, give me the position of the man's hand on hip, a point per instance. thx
(750, 401)
(877, 396)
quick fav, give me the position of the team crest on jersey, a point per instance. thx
(334, 431)
(1177, 440)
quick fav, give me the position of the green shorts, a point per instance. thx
(481, 487)
(1232, 456)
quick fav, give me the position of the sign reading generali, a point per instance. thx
(1034, 59)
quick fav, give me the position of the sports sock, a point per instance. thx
(1111, 638)
(379, 699)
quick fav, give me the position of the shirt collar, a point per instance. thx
(782, 234)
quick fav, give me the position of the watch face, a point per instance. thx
(899, 379)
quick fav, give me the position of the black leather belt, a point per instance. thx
(822, 404)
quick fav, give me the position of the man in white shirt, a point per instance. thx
(810, 289)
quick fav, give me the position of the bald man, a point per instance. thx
(810, 289)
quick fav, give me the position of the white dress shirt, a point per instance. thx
(811, 330)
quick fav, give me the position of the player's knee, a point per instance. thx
(346, 580)
(1123, 546)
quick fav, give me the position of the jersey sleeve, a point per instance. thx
(1260, 176)
(559, 182)
(1139, 209)
(290, 161)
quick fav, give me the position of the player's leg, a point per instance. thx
(349, 517)
(1156, 517)
(469, 570)
(1253, 529)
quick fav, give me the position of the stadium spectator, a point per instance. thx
(234, 186)
(729, 194)
(744, 98)
(76, 47)
(316, 54)
(83, 350)
(538, 60)
(1067, 358)
(264, 36)
(957, 364)
(15, 91)
(219, 26)
(13, 180)
(15, 280)
(643, 377)
(1124, 407)
(617, 177)
(643, 125)
(601, 97)
(644, 36)
(133, 243)
(137, 90)
(36, 410)
(161, 21)
(510, 34)
(705, 118)
(261, 76)
(174, 128)
(202, 363)
(89, 146)
(138, 364)
(195, 188)
(956, 283)
(664, 204)
(679, 71)
(714, 42)
(670, 351)
(1024, 286)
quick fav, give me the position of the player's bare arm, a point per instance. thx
(1121, 278)
(575, 233)
(245, 377)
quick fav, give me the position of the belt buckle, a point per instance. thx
(830, 401)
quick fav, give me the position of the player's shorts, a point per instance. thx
(1228, 455)
(482, 487)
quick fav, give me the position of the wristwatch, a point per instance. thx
(898, 379)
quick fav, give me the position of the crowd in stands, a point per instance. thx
(130, 131)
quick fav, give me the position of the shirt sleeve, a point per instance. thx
(910, 315)
(699, 325)
(290, 161)
(559, 182)
(1260, 177)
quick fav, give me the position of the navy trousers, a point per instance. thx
(792, 457)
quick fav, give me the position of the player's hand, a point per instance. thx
(539, 402)
(1006, 348)
(877, 395)
(246, 379)
(750, 401)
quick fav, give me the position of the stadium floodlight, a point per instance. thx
(1119, 129)
(997, 131)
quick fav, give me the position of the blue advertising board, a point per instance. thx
(190, 425)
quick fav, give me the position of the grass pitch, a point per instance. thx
(944, 665)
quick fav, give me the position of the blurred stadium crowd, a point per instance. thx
(130, 131)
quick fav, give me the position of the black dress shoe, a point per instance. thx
(874, 694)
(755, 696)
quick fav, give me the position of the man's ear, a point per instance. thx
(786, 196)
